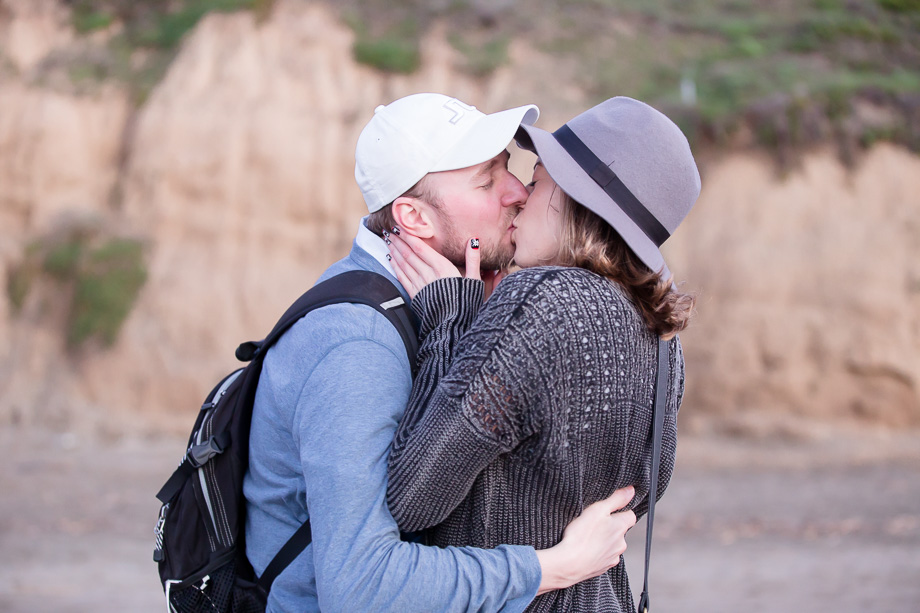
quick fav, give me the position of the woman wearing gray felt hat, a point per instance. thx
(541, 401)
(628, 164)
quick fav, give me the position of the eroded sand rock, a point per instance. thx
(809, 288)
(238, 173)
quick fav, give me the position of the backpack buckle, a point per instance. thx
(198, 455)
(248, 351)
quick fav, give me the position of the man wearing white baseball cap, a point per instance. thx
(334, 387)
(438, 168)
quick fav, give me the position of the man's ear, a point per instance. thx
(412, 215)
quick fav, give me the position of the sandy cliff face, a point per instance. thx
(238, 172)
(59, 161)
(59, 152)
(809, 288)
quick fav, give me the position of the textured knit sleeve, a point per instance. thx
(445, 308)
(467, 408)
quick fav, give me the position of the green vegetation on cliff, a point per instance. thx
(148, 38)
(98, 276)
(792, 73)
(154, 23)
(394, 48)
(789, 73)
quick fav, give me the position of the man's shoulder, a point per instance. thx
(344, 265)
(327, 327)
(351, 345)
(358, 329)
(340, 322)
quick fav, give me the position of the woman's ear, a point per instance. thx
(412, 215)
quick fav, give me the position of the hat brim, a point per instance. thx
(575, 182)
(487, 138)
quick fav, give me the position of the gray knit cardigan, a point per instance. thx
(526, 410)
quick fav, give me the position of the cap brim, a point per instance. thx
(487, 138)
(575, 182)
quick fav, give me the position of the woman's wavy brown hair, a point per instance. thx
(587, 241)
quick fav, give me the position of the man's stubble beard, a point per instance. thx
(492, 257)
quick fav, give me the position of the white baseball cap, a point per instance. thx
(422, 133)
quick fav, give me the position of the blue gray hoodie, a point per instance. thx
(332, 392)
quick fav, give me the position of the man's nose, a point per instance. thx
(515, 193)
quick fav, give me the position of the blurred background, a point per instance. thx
(173, 173)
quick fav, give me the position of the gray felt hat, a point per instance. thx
(629, 164)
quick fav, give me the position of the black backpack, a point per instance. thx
(200, 534)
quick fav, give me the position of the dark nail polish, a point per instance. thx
(386, 234)
(387, 241)
(474, 243)
(389, 257)
(395, 230)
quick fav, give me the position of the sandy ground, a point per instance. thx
(823, 522)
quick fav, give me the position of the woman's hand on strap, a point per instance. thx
(591, 545)
(417, 264)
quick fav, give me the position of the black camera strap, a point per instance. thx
(661, 396)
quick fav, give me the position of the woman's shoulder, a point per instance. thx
(526, 278)
(557, 295)
(563, 284)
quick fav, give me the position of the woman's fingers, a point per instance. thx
(424, 258)
(405, 272)
(472, 259)
(416, 263)
(418, 270)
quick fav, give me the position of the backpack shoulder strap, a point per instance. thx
(354, 286)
